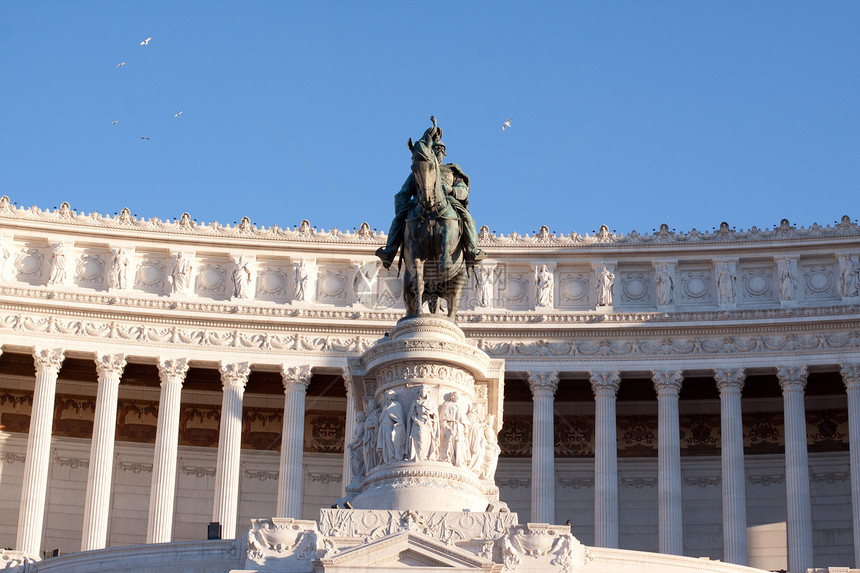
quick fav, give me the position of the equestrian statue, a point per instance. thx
(433, 225)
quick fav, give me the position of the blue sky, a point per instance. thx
(629, 114)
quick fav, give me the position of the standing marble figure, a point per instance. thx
(451, 446)
(423, 427)
(391, 440)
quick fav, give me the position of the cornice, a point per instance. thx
(186, 230)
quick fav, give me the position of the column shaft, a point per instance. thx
(543, 386)
(670, 518)
(159, 528)
(851, 378)
(100, 474)
(605, 386)
(233, 378)
(799, 507)
(348, 431)
(730, 384)
(296, 380)
(35, 482)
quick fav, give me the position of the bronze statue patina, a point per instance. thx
(434, 227)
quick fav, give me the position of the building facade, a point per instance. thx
(684, 393)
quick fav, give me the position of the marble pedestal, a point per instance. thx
(431, 407)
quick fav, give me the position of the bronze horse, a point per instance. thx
(432, 250)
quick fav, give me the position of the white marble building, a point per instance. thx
(683, 393)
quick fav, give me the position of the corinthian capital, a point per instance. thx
(235, 374)
(296, 376)
(605, 382)
(850, 375)
(110, 365)
(48, 359)
(792, 378)
(543, 383)
(730, 380)
(172, 370)
(667, 381)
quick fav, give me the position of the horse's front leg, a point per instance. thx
(419, 286)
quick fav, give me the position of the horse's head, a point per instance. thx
(425, 169)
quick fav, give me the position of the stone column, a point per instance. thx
(543, 386)
(851, 378)
(605, 386)
(296, 380)
(35, 481)
(233, 379)
(97, 504)
(159, 528)
(667, 383)
(731, 383)
(349, 427)
(792, 380)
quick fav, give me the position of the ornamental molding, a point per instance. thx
(829, 477)
(259, 474)
(752, 340)
(702, 481)
(639, 482)
(515, 483)
(74, 463)
(11, 458)
(321, 477)
(134, 467)
(197, 471)
(575, 483)
(184, 228)
(766, 479)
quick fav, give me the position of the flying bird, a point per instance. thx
(121, 64)
(114, 122)
(142, 137)
(177, 114)
(146, 42)
(507, 124)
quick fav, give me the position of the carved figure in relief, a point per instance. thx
(391, 441)
(118, 274)
(665, 286)
(356, 449)
(422, 443)
(241, 277)
(484, 278)
(371, 426)
(477, 441)
(726, 284)
(850, 276)
(301, 281)
(451, 446)
(787, 280)
(58, 265)
(543, 285)
(180, 276)
(605, 280)
(492, 449)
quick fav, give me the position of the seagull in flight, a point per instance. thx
(121, 64)
(142, 137)
(507, 124)
(114, 122)
(146, 42)
(177, 114)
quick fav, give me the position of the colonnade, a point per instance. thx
(605, 385)
(667, 384)
(172, 371)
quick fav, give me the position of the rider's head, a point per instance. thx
(439, 149)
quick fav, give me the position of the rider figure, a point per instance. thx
(455, 183)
